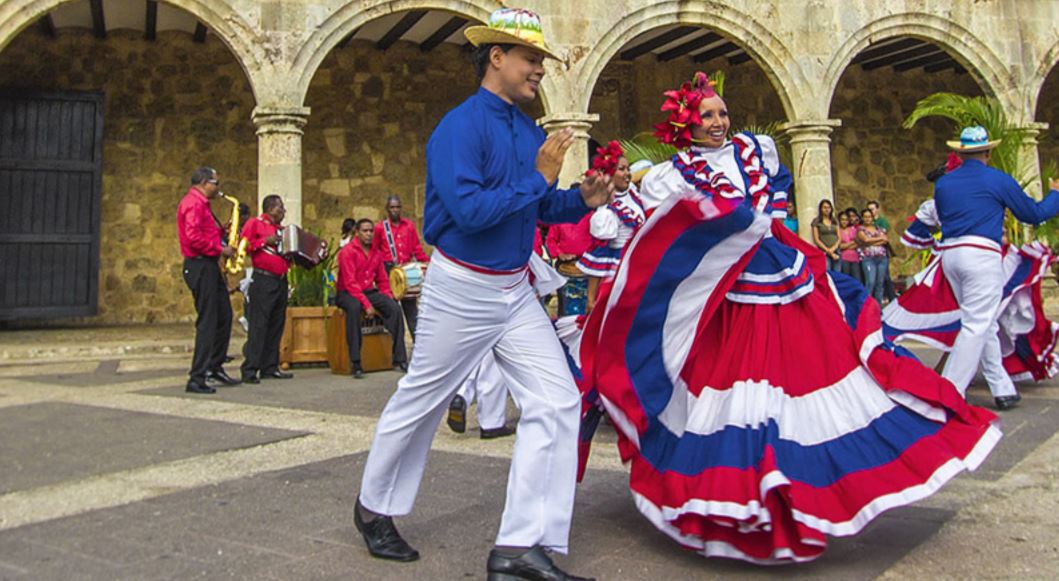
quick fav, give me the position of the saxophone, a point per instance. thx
(235, 264)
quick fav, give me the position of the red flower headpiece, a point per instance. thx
(683, 105)
(952, 162)
(606, 161)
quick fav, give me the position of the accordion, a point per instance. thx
(302, 247)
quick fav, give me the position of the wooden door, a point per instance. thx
(51, 160)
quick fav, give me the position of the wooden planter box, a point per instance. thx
(304, 335)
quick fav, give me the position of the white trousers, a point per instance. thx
(487, 385)
(977, 278)
(463, 316)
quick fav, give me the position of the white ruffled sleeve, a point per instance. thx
(604, 224)
(770, 156)
(928, 214)
(661, 182)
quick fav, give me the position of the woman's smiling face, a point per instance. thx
(715, 122)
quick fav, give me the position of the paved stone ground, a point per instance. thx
(111, 471)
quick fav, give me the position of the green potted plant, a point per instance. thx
(305, 332)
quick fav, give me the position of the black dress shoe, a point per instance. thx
(277, 374)
(382, 538)
(196, 387)
(221, 377)
(501, 432)
(457, 419)
(358, 373)
(1007, 402)
(251, 379)
(533, 565)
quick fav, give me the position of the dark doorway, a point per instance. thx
(51, 161)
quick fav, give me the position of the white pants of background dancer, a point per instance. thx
(451, 342)
(976, 274)
(486, 385)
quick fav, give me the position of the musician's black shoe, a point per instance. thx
(401, 367)
(457, 419)
(501, 432)
(221, 377)
(534, 565)
(196, 387)
(1007, 402)
(276, 374)
(382, 538)
(358, 373)
(251, 379)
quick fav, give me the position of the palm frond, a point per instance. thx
(646, 146)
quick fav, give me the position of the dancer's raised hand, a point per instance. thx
(551, 154)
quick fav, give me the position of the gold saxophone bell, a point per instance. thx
(236, 263)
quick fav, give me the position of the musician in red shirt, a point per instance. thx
(566, 243)
(397, 241)
(267, 297)
(364, 288)
(201, 239)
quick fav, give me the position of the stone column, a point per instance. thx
(1029, 159)
(576, 163)
(279, 156)
(811, 156)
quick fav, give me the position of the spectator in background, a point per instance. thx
(888, 284)
(825, 232)
(349, 231)
(872, 241)
(848, 257)
(791, 221)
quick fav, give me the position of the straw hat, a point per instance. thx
(972, 140)
(512, 26)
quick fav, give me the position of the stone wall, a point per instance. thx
(372, 114)
(628, 95)
(169, 106)
(874, 157)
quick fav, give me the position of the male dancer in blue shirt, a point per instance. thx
(491, 176)
(970, 202)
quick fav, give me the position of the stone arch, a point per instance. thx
(352, 16)
(225, 22)
(1035, 84)
(767, 50)
(983, 64)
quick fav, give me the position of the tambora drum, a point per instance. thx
(406, 280)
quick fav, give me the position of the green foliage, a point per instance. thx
(1048, 232)
(717, 77)
(988, 113)
(311, 287)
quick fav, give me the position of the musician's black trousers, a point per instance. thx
(267, 312)
(410, 307)
(213, 326)
(392, 321)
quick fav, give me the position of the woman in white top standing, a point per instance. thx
(613, 225)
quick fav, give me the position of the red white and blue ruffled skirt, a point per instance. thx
(929, 313)
(756, 401)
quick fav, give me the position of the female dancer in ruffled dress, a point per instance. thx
(613, 225)
(755, 399)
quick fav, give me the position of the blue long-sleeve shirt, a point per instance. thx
(484, 194)
(971, 199)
